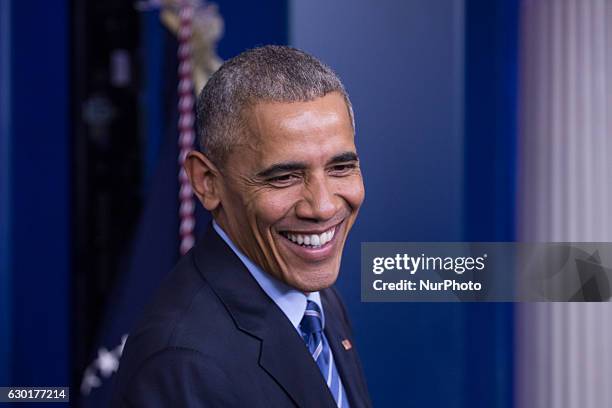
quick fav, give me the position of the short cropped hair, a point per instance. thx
(266, 74)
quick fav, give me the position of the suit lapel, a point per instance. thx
(346, 360)
(284, 356)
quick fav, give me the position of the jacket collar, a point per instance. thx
(283, 355)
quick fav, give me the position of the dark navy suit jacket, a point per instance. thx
(213, 338)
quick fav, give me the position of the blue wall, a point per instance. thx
(490, 167)
(405, 65)
(5, 177)
(402, 63)
(36, 193)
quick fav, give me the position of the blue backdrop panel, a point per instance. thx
(402, 63)
(405, 65)
(40, 193)
(490, 157)
(490, 120)
(252, 23)
(5, 189)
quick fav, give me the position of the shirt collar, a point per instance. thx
(291, 302)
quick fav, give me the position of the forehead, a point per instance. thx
(300, 129)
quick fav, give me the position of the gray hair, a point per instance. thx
(267, 74)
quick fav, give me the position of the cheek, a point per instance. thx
(352, 190)
(271, 207)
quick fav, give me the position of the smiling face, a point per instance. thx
(289, 196)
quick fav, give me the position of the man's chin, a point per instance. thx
(312, 282)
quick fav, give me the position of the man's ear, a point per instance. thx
(204, 178)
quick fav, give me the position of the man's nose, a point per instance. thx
(319, 202)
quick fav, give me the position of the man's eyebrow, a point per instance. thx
(344, 157)
(278, 168)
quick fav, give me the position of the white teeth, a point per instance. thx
(313, 239)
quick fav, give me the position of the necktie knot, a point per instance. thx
(311, 322)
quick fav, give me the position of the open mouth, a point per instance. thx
(312, 241)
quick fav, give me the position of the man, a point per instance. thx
(249, 317)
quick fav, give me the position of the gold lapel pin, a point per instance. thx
(347, 344)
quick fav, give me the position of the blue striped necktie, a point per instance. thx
(312, 332)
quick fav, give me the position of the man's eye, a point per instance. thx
(283, 179)
(343, 168)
